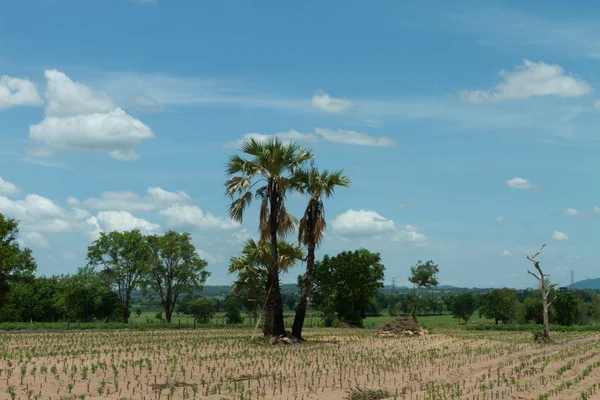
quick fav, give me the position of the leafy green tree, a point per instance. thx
(125, 257)
(499, 305)
(463, 306)
(422, 275)
(565, 306)
(392, 309)
(532, 310)
(317, 185)
(345, 286)
(16, 264)
(252, 268)
(202, 309)
(273, 163)
(290, 301)
(175, 269)
(231, 305)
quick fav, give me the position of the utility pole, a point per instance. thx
(572, 277)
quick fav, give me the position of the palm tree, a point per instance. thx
(312, 225)
(252, 266)
(272, 165)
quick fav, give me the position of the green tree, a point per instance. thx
(532, 310)
(125, 257)
(273, 163)
(565, 307)
(202, 309)
(499, 305)
(252, 268)
(16, 264)
(317, 185)
(422, 275)
(345, 286)
(231, 305)
(463, 306)
(175, 269)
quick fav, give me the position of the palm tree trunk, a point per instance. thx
(306, 288)
(274, 325)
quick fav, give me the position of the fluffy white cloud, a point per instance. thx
(352, 137)
(8, 189)
(108, 221)
(597, 104)
(129, 201)
(329, 135)
(289, 136)
(65, 97)
(499, 220)
(323, 102)
(34, 239)
(362, 223)
(409, 233)
(506, 253)
(180, 215)
(558, 235)
(573, 212)
(521, 183)
(18, 92)
(368, 223)
(529, 80)
(80, 119)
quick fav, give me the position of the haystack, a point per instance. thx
(403, 326)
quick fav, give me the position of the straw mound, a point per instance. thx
(404, 326)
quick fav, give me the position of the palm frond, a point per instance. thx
(287, 222)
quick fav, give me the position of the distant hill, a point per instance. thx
(586, 284)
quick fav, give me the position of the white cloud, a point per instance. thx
(115, 133)
(329, 135)
(144, 103)
(66, 97)
(529, 80)
(80, 119)
(596, 210)
(521, 183)
(558, 235)
(362, 223)
(8, 189)
(69, 256)
(352, 137)
(499, 220)
(506, 253)
(179, 215)
(34, 239)
(129, 201)
(573, 212)
(409, 233)
(108, 221)
(289, 136)
(323, 102)
(18, 92)
(597, 104)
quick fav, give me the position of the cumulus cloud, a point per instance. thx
(144, 103)
(499, 220)
(179, 215)
(529, 80)
(573, 212)
(506, 253)
(521, 183)
(368, 223)
(8, 189)
(18, 92)
(323, 102)
(121, 221)
(81, 119)
(328, 135)
(34, 239)
(129, 201)
(558, 235)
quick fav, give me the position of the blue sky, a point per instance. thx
(469, 129)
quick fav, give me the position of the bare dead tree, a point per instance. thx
(545, 288)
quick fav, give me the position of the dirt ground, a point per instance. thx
(225, 364)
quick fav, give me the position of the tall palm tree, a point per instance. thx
(271, 165)
(252, 266)
(317, 185)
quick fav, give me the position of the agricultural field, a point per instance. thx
(334, 364)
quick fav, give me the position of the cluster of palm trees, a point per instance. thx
(272, 170)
